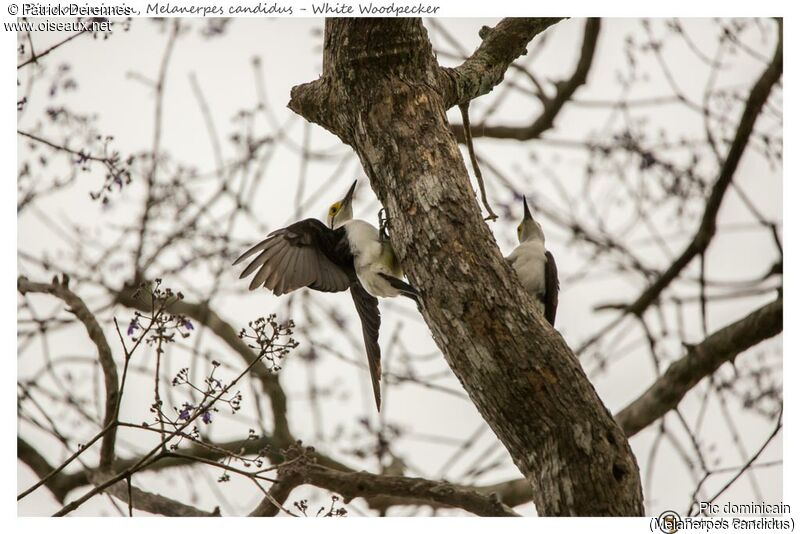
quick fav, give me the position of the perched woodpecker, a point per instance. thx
(346, 254)
(535, 266)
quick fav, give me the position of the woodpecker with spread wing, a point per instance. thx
(535, 265)
(346, 254)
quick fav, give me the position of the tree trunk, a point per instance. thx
(382, 93)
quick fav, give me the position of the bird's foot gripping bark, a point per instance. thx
(383, 224)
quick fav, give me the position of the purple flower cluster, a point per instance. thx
(186, 413)
(133, 326)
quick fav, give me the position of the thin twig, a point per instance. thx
(475, 167)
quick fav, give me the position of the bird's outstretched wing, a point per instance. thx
(370, 315)
(295, 257)
(550, 288)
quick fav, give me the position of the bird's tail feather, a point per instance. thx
(405, 289)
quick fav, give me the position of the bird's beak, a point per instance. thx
(348, 198)
(527, 214)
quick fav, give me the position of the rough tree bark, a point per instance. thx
(383, 93)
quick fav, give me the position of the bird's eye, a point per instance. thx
(334, 209)
(519, 229)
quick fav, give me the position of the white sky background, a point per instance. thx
(290, 51)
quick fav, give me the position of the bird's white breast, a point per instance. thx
(367, 248)
(365, 243)
(529, 260)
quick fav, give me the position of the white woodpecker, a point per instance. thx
(346, 254)
(535, 265)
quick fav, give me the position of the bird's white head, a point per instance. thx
(342, 211)
(529, 229)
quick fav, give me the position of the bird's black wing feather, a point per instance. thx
(370, 315)
(550, 288)
(405, 289)
(300, 255)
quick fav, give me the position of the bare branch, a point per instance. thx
(422, 491)
(63, 148)
(76, 305)
(39, 464)
(565, 89)
(55, 480)
(708, 225)
(474, 160)
(208, 451)
(487, 66)
(36, 57)
(701, 361)
(277, 495)
(157, 124)
(746, 467)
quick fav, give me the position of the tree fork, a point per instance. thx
(383, 93)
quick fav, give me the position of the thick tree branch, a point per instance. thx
(42, 468)
(150, 502)
(76, 306)
(487, 66)
(565, 89)
(701, 361)
(511, 493)
(708, 224)
(476, 76)
(419, 490)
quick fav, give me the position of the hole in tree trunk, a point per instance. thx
(618, 472)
